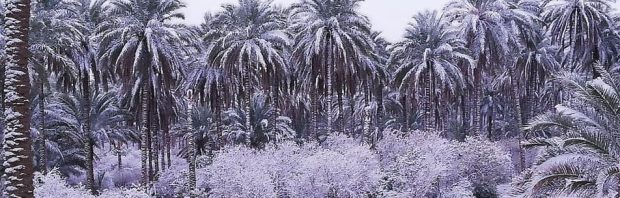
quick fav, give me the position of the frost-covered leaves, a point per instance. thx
(583, 27)
(343, 169)
(583, 160)
(52, 185)
(263, 132)
(425, 165)
(430, 46)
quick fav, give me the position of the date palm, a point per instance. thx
(251, 49)
(54, 30)
(428, 57)
(583, 159)
(334, 45)
(102, 126)
(17, 146)
(142, 46)
(482, 24)
(263, 132)
(578, 27)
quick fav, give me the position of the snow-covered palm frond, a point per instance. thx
(263, 132)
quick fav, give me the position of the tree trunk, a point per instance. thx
(380, 121)
(520, 122)
(167, 136)
(18, 144)
(88, 146)
(154, 153)
(248, 103)
(329, 86)
(428, 112)
(192, 157)
(315, 113)
(42, 138)
(490, 123)
(119, 147)
(405, 112)
(144, 136)
(476, 104)
(341, 112)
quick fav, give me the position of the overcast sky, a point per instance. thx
(388, 16)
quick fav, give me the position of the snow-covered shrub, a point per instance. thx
(484, 163)
(52, 185)
(340, 167)
(424, 164)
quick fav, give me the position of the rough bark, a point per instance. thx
(477, 98)
(88, 146)
(192, 158)
(329, 68)
(144, 136)
(248, 101)
(18, 144)
(42, 138)
(519, 115)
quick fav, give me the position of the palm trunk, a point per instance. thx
(18, 144)
(341, 112)
(154, 154)
(144, 136)
(476, 104)
(248, 101)
(329, 86)
(218, 119)
(167, 136)
(405, 112)
(42, 138)
(88, 146)
(192, 158)
(490, 124)
(380, 118)
(119, 147)
(428, 114)
(315, 114)
(519, 121)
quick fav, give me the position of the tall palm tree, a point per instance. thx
(482, 24)
(54, 30)
(334, 46)
(583, 160)
(579, 27)
(428, 57)
(252, 48)
(104, 123)
(141, 44)
(17, 146)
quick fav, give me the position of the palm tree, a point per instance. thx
(252, 48)
(263, 131)
(142, 45)
(102, 126)
(18, 144)
(334, 43)
(54, 30)
(583, 159)
(482, 24)
(580, 26)
(428, 57)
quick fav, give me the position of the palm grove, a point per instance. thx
(80, 76)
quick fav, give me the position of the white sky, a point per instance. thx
(388, 16)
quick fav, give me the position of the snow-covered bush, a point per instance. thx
(340, 167)
(424, 164)
(52, 185)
